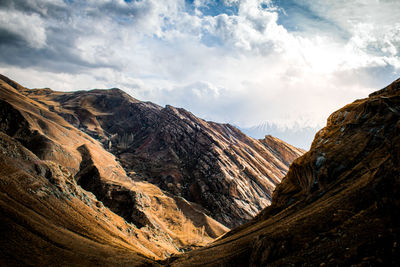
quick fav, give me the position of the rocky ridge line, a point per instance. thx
(337, 206)
(229, 174)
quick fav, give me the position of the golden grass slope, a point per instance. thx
(47, 218)
(215, 165)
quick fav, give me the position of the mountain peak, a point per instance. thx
(338, 204)
(12, 83)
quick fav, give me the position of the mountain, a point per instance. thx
(229, 174)
(337, 206)
(62, 194)
(99, 178)
(296, 135)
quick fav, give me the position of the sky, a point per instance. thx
(286, 63)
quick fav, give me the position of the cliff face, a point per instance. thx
(99, 177)
(63, 195)
(359, 140)
(339, 203)
(214, 165)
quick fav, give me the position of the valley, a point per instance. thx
(124, 175)
(99, 178)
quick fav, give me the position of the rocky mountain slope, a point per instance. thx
(230, 175)
(337, 206)
(63, 195)
(66, 200)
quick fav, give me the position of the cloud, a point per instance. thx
(43, 8)
(246, 62)
(18, 27)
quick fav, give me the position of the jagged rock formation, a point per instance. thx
(339, 203)
(214, 165)
(66, 201)
(70, 197)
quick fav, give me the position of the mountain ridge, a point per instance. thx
(295, 135)
(177, 151)
(49, 158)
(337, 206)
(78, 199)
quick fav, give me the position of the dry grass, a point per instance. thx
(47, 219)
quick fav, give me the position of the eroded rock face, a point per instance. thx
(117, 198)
(215, 165)
(47, 219)
(62, 195)
(359, 138)
(68, 188)
(339, 203)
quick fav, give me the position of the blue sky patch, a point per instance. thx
(213, 8)
(298, 17)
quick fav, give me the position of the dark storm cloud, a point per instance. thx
(45, 9)
(58, 55)
(65, 10)
(57, 52)
(63, 24)
(8, 38)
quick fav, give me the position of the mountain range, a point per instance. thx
(337, 206)
(297, 135)
(100, 177)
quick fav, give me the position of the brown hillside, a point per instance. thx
(337, 206)
(230, 175)
(46, 215)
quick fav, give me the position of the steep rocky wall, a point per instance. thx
(215, 165)
(337, 206)
(76, 175)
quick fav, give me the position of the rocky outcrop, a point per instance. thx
(229, 174)
(61, 188)
(47, 219)
(359, 138)
(337, 206)
(63, 196)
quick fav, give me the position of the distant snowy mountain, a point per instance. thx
(297, 136)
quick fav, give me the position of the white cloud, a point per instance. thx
(29, 28)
